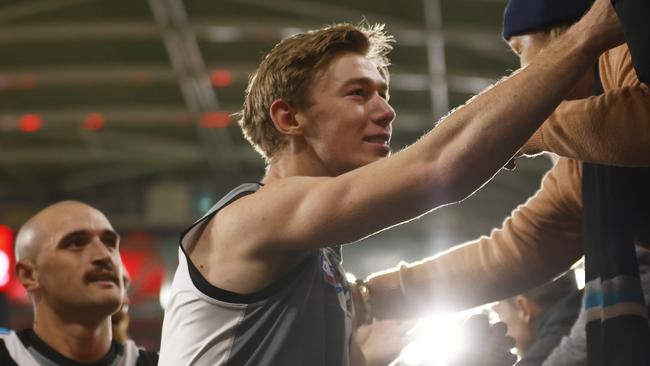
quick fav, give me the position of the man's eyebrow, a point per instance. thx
(86, 232)
(73, 234)
(366, 81)
(111, 233)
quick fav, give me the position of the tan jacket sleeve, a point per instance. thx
(541, 239)
(613, 128)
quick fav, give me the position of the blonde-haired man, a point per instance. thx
(259, 280)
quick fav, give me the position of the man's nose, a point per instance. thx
(383, 112)
(99, 252)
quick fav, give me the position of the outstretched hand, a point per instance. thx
(602, 26)
(382, 341)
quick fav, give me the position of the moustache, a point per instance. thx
(101, 275)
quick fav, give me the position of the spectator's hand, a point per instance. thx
(487, 345)
(602, 27)
(382, 341)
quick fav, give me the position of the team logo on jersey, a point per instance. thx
(334, 277)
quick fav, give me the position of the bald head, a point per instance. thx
(68, 260)
(49, 223)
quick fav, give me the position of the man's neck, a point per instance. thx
(291, 165)
(84, 342)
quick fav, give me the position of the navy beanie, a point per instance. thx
(525, 16)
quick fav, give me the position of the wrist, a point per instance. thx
(585, 44)
(364, 308)
(599, 30)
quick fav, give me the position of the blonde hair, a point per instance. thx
(556, 32)
(289, 69)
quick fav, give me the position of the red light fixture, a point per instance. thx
(215, 119)
(6, 255)
(94, 121)
(30, 122)
(221, 78)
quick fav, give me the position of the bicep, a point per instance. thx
(302, 213)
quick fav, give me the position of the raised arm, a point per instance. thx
(449, 163)
(541, 239)
(613, 128)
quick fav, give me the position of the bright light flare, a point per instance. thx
(439, 339)
(350, 277)
(165, 294)
(580, 277)
(5, 269)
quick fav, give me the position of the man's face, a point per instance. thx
(519, 328)
(348, 123)
(77, 265)
(527, 46)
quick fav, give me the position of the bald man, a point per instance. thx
(68, 260)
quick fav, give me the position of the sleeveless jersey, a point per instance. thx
(25, 348)
(302, 319)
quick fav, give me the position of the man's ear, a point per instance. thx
(527, 308)
(27, 275)
(284, 118)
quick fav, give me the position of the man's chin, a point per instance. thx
(109, 301)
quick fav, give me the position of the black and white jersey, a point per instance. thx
(25, 348)
(302, 319)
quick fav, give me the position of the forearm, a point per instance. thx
(498, 122)
(613, 129)
(541, 239)
(468, 276)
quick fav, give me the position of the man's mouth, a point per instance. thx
(381, 138)
(103, 277)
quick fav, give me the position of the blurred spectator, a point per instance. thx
(572, 350)
(480, 343)
(487, 344)
(539, 318)
(67, 258)
(543, 237)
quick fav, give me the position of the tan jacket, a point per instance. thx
(543, 237)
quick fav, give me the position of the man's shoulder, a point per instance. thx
(4, 332)
(147, 358)
(139, 355)
(245, 200)
(234, 195)
(11, 349)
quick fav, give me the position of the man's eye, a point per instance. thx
(357, 92)
(110, 242)
(76, 242)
